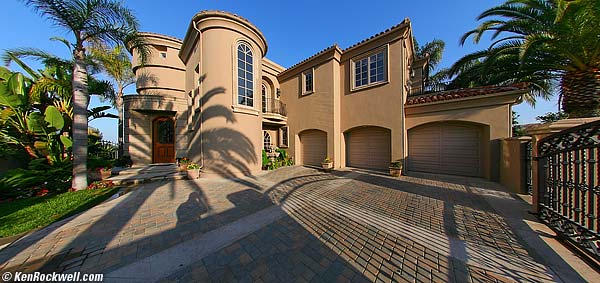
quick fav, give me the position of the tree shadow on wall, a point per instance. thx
(225, 150)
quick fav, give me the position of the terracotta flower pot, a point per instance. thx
(105, 173)
(395, 172)
(327, 166)
(183, 167)
(193, 173)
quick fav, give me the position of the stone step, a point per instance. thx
(146, 178)
(152, 168)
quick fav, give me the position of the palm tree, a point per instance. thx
(434, 50)
(105, 21)
(547, 41)
(117, 65)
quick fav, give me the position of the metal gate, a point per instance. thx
(569, 185)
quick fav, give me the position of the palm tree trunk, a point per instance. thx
(80, 122)
(580, 92)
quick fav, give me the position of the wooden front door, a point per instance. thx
(163, 140)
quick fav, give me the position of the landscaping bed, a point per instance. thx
(24, 215)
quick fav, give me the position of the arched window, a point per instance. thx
(267, 140)
(264, 98)
(245, 75)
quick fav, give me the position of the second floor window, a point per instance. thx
(308, 82)
(245, 76)
(371, 69)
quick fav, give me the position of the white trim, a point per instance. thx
(245, 110)
(303, 78)
(255, 69)
(386, 68)
(287, 136)
(265, 135)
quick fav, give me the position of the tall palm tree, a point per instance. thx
(106, 21)
(550, 41)
(117, 65)
(434, 50)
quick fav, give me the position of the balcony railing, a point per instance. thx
(274, 106)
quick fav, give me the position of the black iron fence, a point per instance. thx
(569, 185)
(274, 106)
(529, 167)
(104, 149)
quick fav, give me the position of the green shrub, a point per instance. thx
(265, 160)
(193, 166)
(23, 183)
(95, 163)
(124, 161)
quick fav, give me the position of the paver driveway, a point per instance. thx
(294, 224)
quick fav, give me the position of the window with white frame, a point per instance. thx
(308, 81)
(245, 75)
(284, 137)
(370, 69)
(266, 141)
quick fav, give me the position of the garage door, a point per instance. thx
(445, 148)
(368, 147)
(314, 147)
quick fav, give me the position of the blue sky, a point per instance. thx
(294, 29)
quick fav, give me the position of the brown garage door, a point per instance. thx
(445, 148)
(368, 147)
(314, 147)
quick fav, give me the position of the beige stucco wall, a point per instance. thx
(318, 110)
(140, 111)
(512, 165)
(226, 137)
(270, 70)
(159, 76)
(380, 105)
(492, 113)
(161, 87)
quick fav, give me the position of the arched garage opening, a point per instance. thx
(313, 146)
(368, 147)
(454, 148)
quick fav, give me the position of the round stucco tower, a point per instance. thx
(223, 56)
(161, 104)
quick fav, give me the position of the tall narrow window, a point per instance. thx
(267, 140)
(284, 136)
(308, 82)
(264, 99)
(245, 76)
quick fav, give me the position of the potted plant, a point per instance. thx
(183, 164)
(327, 164)
(395, 168)
(193, 170)
(105, 172)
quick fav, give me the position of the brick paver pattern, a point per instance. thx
(344, 226)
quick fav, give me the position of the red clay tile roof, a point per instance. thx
(463, 93)
(402, 24)
(334, 46)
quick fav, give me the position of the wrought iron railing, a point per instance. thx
(418, 90)
(274, 106)
(529, 167)
(104, 149)
(569, 185)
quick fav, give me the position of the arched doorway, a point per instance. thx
(163, 140)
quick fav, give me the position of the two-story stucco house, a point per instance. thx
(215, 98)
